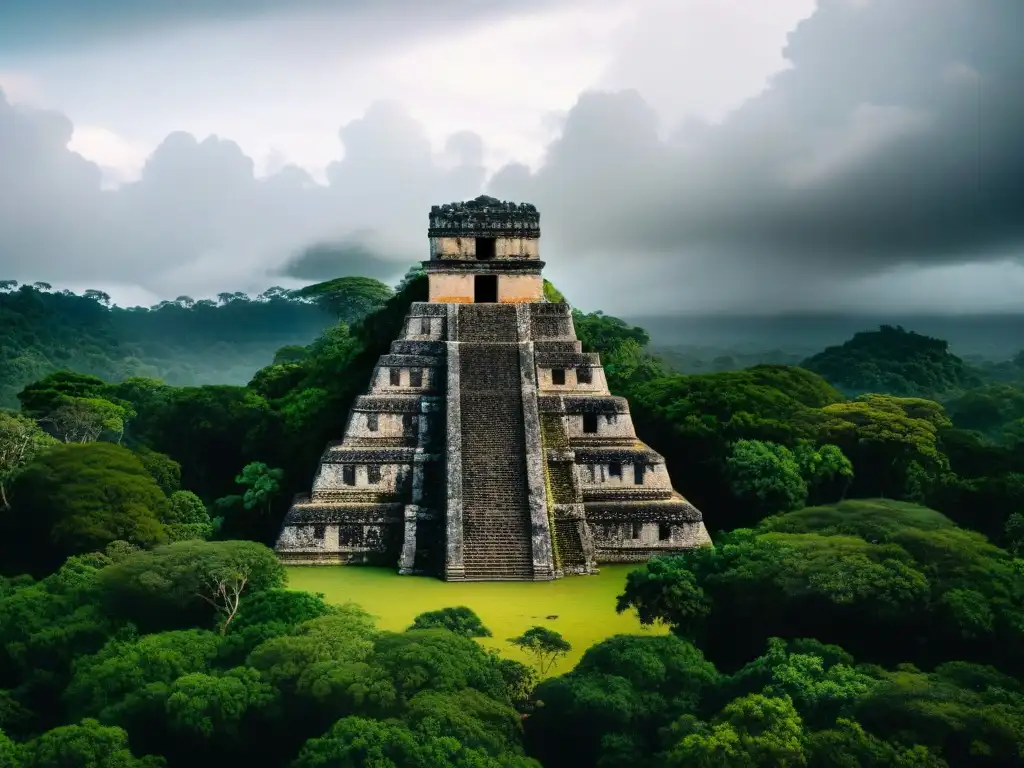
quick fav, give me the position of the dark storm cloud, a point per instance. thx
(351, 257)
(894, 138)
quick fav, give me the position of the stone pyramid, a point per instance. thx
(488, 446)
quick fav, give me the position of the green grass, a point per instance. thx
(584, 605)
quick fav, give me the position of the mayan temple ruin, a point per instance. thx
(488, 446)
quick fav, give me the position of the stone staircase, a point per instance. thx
(497, 542)
(570, 546)
(560, 477)
(566, 535)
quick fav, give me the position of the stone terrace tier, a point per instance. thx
(489, 447)
(375, 496)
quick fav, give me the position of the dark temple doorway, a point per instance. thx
(485, 248)
(485, 289)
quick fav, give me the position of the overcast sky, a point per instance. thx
(686, 155)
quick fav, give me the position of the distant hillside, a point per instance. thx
(895, 361)
(183, 342)
(994, 337)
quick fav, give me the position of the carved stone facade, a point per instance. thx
(484, 250)
(489, 446)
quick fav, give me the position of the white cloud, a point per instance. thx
(702, 58)
(20, 87)
(120, 159)
(504, 80)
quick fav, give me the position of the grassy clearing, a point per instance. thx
(584, 605)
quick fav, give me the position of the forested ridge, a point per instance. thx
(181, 342)
(863, 604)
(894, 360)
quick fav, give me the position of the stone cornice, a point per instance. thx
(483, 231)
(490, 266)
(308, 512)
(625, 455)
(627, 494)
(411, 361)
(340, 453)
(671, 509)
(427, 309)
(418, 347)
(388, 403)
(570, 360)
(545, 348)
(603, 404)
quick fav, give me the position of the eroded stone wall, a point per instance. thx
(604, 425)
(423, 328)
(520, 289)
(373, 425)
(460, 288)
(624, 474)
(465, 248)
(593, 380)
(446, 288)
(634, 542)
(391, 479)
(395, 375)
(319, 533)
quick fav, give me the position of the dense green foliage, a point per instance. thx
(82, 497)
(862, 606)
(460, 620)
(640, 701)
(890, 581)
(996, 410)
(119, 659)
(890, 584)
(895, 361)
(348, 298)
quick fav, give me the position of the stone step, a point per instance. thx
(525, 566)
(497, 545)
(488, 323)
(500, 535)
(498, 570)
(570, 547)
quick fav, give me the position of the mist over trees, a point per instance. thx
(182, 342)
